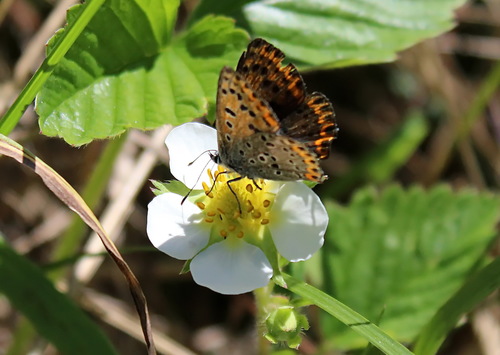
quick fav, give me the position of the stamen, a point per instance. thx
(208, 191)
(210, 176)
(232, 221)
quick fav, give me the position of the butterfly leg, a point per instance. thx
(255, 184)
(211, 188)
(232, 191)
(229, 186)
(215, 180)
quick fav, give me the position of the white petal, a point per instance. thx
(185, 143)
(231, 267)
(176, 229)
(298, 222)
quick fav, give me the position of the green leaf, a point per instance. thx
(339, 33)
(52, 313)
(480, 286)
(125, 71)
(173, 186)
(354, 320)
(400, 255)
(64, 43)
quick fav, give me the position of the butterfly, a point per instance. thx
(268, 126)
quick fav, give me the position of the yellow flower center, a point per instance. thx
(236, 206)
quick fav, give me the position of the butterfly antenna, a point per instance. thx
(199, 176)
(189, 193)
(209, 151)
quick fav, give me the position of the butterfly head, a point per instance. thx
(215, 157)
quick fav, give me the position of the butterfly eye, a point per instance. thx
(215, 157)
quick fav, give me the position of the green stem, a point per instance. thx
(381, 163)
(27, 96)
(262, 300)
(346, 315)
(484, 95)
(68, 37)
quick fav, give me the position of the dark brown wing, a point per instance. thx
(281, 86)
(313, 123)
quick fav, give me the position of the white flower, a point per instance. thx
(229, 249)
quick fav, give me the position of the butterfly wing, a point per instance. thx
(267, 126)
(281, 86)
(313, 123)
(241, 112)
(276, 157)
(307, 118)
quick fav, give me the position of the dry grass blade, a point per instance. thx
(65, 192)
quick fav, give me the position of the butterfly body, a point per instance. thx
(267, 125)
